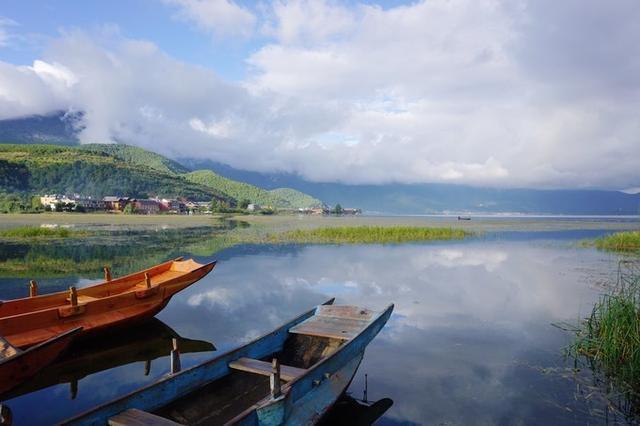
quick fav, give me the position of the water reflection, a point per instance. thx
(350, 411)
(467, 343)
(144, 343)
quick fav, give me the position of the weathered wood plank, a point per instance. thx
(287, 373)
(135, 417)
(335, 328)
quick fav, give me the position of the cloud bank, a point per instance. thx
(525, 93)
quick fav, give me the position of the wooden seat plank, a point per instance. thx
(287, 373)
(335, 328)
(135, 417)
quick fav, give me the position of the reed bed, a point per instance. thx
(628, 241)
(609, 339)
(33, 232)
(367, 234)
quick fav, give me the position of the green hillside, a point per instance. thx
(110, 169)
(137, 156)
(57, 169)
(280, 198)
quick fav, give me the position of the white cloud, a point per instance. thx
(478, 92)
(220, 17)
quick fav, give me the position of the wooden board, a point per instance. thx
(135, 417)
(287, 373)
(335, 328)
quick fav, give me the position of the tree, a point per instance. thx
(129, 209)
(35, 203)
(337, 209)
(244, 204)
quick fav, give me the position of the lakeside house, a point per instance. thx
(56, 201)
(146, 206)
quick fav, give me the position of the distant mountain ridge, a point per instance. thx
(440, 198)
(58, 128)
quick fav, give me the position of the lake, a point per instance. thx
(473, 338)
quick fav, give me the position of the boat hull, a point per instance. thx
(24, 364)
(96, 313)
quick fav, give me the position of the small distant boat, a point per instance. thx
(35, 319)
(464, 217)
(292, 375)
(17, 365)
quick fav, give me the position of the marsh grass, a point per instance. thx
(33, 232)
(366, 234)
(628, 241)
(609, 339)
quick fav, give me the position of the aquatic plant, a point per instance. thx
(627, 241)
(609, 339)
(367, 234)
(28, 232)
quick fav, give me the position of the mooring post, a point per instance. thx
(275, 378)
(175, 357)
(107, 273)
(73, 296)
(365, 388)
(147, 279)
(33, 288)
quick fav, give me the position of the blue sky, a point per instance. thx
(498, 93)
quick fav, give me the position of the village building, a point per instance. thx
(115, 203)
(146, 206)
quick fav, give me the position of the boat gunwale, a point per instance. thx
(80, 417)
(103, 298)
(40, 345)
(287, 388)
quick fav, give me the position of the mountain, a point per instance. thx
(137, 156)
(100, 170)
(59, 128)
(280, 197)
(61, 169)
(441, 198)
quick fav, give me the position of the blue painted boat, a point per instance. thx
(291, 376)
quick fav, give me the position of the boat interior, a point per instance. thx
(248, 381)
(110, 287)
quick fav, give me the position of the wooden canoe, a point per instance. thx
(317, 355)
(114, 302)
(142, 344)
(17, 365)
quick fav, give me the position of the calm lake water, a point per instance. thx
(471, 340)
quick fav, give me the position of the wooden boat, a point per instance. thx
(143, 344)
(290, 376)
(114, 302)
(17, 365)
(464, 217)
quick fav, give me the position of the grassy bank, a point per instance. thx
(33, 232)
(609, 339)
(628, 241)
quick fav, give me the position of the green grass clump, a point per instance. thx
(33, 232)
(609, 338)
(367, 234)
(628, 241)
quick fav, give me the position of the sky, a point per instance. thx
(513, 93)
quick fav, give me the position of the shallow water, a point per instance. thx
(471, 340)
